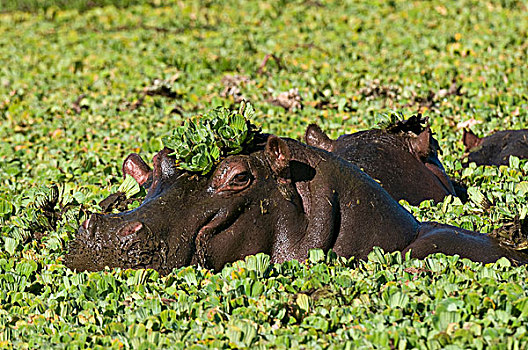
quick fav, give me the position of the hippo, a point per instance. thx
(496, 148)
(279, 197)
(403, 157)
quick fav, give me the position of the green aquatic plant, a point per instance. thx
(202, 141)
(388, 119)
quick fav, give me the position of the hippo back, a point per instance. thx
(403, 159)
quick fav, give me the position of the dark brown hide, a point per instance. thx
(281, 198)
(403, 159)
(439, 238)
(497, 148)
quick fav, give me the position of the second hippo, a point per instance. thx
(403, 157)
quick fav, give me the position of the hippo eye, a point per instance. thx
(233, 175)
(237, 182)
(240, 179)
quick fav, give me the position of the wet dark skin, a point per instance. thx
(281, 198)
(405, 162)
(496, 148)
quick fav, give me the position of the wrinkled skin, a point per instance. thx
(496, 148)
(281, 198)
(404, 159)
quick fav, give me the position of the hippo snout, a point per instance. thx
(122, 228)
(97, 223)
(112, 240)
(89, 226)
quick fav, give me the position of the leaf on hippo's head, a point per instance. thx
(238, 122)
(395, 123)
(129, 187)
(202, 141)
(385, 120)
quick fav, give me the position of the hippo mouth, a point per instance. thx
(217, 222)
(130, 245)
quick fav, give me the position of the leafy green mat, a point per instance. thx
(80, 90)
(327, 301)
(80, 5)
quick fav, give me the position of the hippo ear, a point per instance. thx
(278, 155)
(136, 167)
(421, 144)
(316, 137)
(470, 140)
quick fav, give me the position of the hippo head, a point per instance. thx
(496, 148)
(403, 157)
(188, 218)
(278, 197)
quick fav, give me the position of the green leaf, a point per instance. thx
(521, 188)
(238, 122)
(129, 187)
(503, 262)
(10, 245)
(476, 196)
(241, 333)
(259, 262)
(190, 276)
(514, 162)
(522, 305)
(448, 312)
(316, 255)
(215, 152)
(395, 298)
(5, 207)
(303, 302)
(316, 322)
(26, 267)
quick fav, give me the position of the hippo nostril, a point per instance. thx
(130, 228)
(86, 223)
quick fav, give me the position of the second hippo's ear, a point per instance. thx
(316, 137)
(136, 167)
(470, 140)
(421, 144)
(278, 154)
